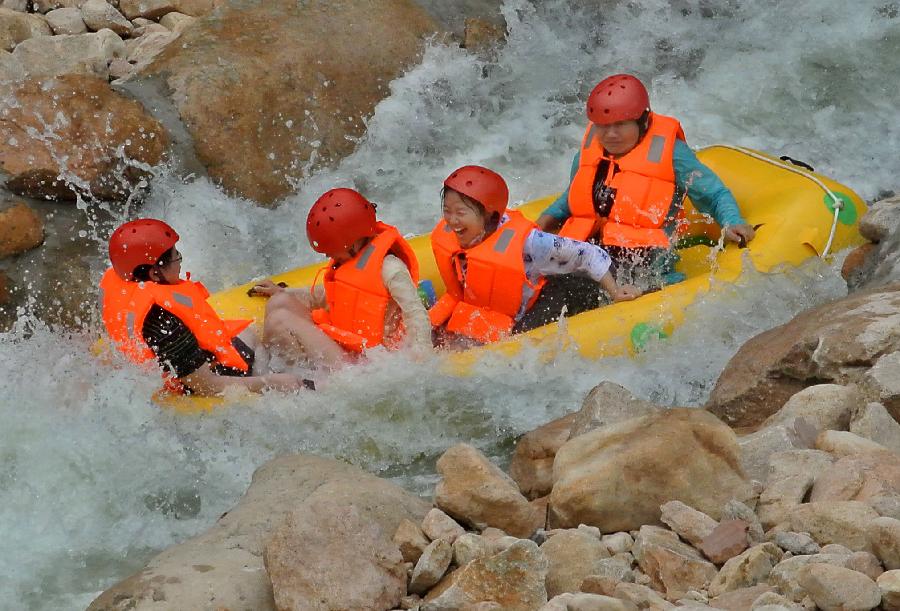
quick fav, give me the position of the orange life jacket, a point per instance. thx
(644, 183)
(356, 296)
(126, 305)
(483, 302)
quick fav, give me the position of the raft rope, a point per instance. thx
(837, 202)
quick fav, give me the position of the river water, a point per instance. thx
(95, 479)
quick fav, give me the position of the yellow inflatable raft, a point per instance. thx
(798, 214)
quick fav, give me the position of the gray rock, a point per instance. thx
(608, 403)
(797, 543)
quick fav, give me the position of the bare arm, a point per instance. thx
(205, 383)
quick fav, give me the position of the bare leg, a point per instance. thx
(290, 333)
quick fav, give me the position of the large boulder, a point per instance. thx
(87, 54)
(223, 567)
(269, 90)
(475, 491)
(102, 140)
(617, 477)
(16, 26)
(330, 555)
(836, 342)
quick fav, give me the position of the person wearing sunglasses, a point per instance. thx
(153, 315)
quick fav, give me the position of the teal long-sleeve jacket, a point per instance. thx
(706, 190)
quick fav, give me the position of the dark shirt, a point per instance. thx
(178, 351)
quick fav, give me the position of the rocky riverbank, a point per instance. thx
(783, 493)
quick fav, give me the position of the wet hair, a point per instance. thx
(490, 224)
(141, 273)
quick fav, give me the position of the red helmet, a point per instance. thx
(481, 184)
(140, 242)
(338, 219)
(620, 97)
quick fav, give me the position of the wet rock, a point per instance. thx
(842, 443)
(740, 599)
(884, 539)
(21, 229)
(673, 567)
(103, 139)
(514, 579)
(587, 602)
(889, 584)
(177, 22)
(837, 589)
(230, 554)
(728, 539)
(81, 54)
(691, 525)
(16, 26)
(410, 540)
(120, 69)
(642, 596)
(431, 566)
(475, 491)
(482, 36)
(836, 342)
(858, 264)
(197, 8)
(66, 21)
(149, 9)
(258, 141)
(844, 522)
(469, 547)
(859, 478)
(758, 448)
(825, 406)
(606, 404)
(881, 220)
(677, 454)
(796, 543)
(791, 476)
(875, 423)
(532, 462)
(142, 51)
(15, 5)
(746, 570)
(99, 14)
(438, 525)
(310, 556)
(882, 381)
(572, 556)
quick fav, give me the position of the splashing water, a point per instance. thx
(94, 478)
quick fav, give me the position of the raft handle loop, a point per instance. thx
(837, 202)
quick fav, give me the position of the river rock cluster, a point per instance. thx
(787, 503)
